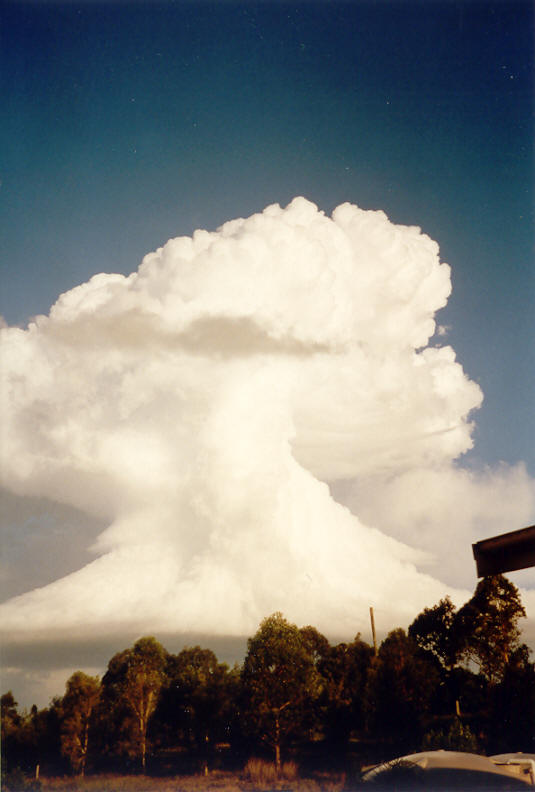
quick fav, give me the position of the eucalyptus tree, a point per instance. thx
(487, 626)
(11, 725)
(78, 708)
(131, 689)
(512, 705)
(434, 630)
(280, 681)
(344, 670)
(198, 701)
(400, 687)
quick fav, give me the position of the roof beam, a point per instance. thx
(505, 553)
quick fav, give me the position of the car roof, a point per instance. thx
(458, 760)
(519, 756)
(447, 760)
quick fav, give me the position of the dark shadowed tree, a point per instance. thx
(487, 626)
(78, 709)
(44, 735)
(11, 737)
(280, 681)
(30, 739)
(344, 670)
(434, 632)
(455, 736)
(401, 685)
(197, 702)
(116, 733)
(512, 720)
(10, 718)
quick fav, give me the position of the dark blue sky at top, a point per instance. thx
(126, 124)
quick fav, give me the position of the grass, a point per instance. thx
(119, 783)
(258, 776)
(264, 775)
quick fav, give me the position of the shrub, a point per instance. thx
(457, 738)
(289, 771)
(260, 772)
(264, 774)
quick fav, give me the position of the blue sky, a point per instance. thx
(126, 124)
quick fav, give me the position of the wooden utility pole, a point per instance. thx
(372, 619)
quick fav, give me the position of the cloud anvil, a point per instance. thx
(202, 406)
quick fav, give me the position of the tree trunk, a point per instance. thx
(277, 744)
(143, 730)
(206, 751)
(84, 748)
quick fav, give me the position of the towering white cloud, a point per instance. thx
(200, 404)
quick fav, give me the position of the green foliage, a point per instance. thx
(11, 728)
(484, 632)
(144, 678)
(293, 689)
(29, 739)
(487, 626)
(78, 705)
(457, 737)
(280, 681)
(434, 632)
(512, 717)
(10, 717)
(116, 728)
(400, 687)
(131, 688)
(344, 670)
(469, 689)
(316, 645)
(197, 701)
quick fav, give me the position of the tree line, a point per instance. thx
(458, 679)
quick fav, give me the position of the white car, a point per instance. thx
(523, 762)
(447, 770)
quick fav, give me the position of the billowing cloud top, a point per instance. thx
(200, 404)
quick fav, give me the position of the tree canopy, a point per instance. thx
(197, 699)
(434, 630)
(78, 705)
(459, 678)
(135, 678)
(280, 678)
(487, 625)
(400, 686)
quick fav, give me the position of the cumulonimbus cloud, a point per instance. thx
(201, 404)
